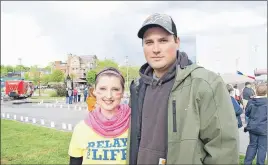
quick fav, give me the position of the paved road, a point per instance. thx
(40, 112)
(69, 116)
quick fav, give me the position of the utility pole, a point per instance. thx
(20, 67)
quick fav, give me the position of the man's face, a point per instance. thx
(159, 48)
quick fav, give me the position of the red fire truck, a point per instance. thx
(18, 89)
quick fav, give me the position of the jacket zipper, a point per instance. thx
(174, 115)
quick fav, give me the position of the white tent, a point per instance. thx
(232, 78)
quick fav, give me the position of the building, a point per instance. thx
(59, 65)
(77, 67)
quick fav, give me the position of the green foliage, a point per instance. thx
(3, 71)
(104, 64)
(26, 76)
(60, 90)
(45, 79)
(57, 76)
(22, 68)
(9, 68)
(53, 93)
(91, 76)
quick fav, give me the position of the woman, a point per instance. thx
(102, 137)
(238, 110)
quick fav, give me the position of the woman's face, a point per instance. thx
(108, 92)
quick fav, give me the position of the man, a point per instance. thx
(181, 112)
(237, 95)
(248, 92)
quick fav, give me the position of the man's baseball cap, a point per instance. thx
(162, 20)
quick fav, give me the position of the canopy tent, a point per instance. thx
(233, 78)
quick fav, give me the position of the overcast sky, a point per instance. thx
(41, 32)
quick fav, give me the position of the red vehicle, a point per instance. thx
(19, 88)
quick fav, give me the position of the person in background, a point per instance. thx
(256, 110)
(70, 94)
(248, 93)
(237, 95)
(79, 94)
(237, 109)
(67, 96)
(75, 95)
(102, 137)
(85, 94)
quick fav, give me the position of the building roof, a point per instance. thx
(88, 57)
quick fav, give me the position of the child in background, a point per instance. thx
(256, 111)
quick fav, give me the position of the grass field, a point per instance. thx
(23, 143)
(29, 144)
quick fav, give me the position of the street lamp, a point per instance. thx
(127, 69)
(69, 82)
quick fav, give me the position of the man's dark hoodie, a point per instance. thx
(153, 142)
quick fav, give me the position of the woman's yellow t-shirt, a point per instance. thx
(96, 149)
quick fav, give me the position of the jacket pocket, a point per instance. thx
(174, 115)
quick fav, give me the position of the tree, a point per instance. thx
(49, 67)
(73, 76)
(10, 68)
(57, 76)
(133, 72)
(45, 79)
(3, 71)
(91, 76)
(104, 64)
(19, 68)
(26, 76)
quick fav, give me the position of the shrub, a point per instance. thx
(60, 90)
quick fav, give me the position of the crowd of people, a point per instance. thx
(75, 95)
(178, 112)
(253, 103)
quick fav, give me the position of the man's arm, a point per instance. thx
(218, 127)
(237, 108)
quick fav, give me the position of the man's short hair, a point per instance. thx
(229, 88)
(261, 90)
